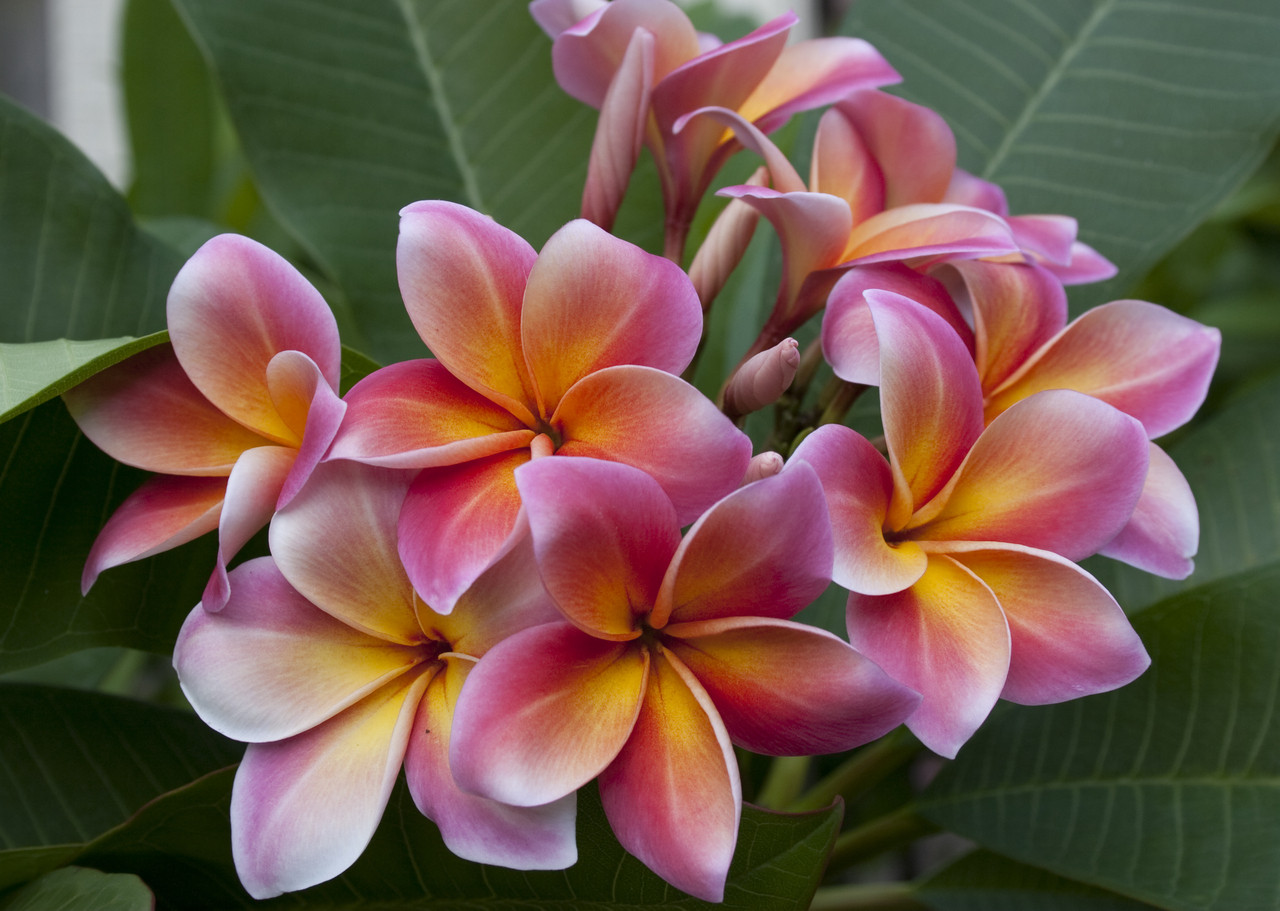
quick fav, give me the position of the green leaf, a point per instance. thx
(180, 845)
(76, 765)
(35, 372)
(1137, 118)
(81, 889)
(348, 110)
(74, 263)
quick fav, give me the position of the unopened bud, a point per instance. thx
(725, 245)
(762, 379)
(764, 465)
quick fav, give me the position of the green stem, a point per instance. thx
(895, 830)
(867, 897)
(784, 782)
(840, 401)
(860, 772)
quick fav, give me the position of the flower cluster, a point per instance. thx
(477, 572)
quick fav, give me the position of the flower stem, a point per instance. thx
(860, 772)
(867, 897)
(784, 782)
(894, 830)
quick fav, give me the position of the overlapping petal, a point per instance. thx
(912, 146)
(1163, 533)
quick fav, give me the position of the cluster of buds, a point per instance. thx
(477, 571)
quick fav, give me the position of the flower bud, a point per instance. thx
(762, 379)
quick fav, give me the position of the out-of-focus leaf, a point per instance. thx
(1136, 118)
(76, 765)
(74, 263)
(982, 881)
(181, 846)
(81, 889)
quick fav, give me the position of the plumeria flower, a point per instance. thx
(643, 65)
(1144, 359)
(571, 352)
(957, 549)
(336, 675)
(670, 651)
(233, 416)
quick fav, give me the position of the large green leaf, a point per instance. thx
(982, 881)
(74, 765)
(180, 845)
(74, 263)
(1135, 117)
(348, 110)
(81, 889)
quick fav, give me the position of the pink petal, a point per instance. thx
(416, 414)
(619, 132)
(544, 712)
(604, 534)
(849, 341)
(913, 146)
(595, 301)
(927, 230)
(784, 689)
(462, 276)
(764, 551)
(271, 664)
(1069, 636)
(1046, 237)
(1086, 265)
(252, 491)
(163, 513)
(145, 412)
(673, 797)
(1142, 358)
(944, 637)
(660, 424)
(456, 521)
(858, 485)
(336, 544)
(1163, 533)
(713, 119)
(1059, 472)
(292, 376)
(969, 190)
(842, 165)
(233, 307)
(303, 809)
(555, 16)
(473, 828)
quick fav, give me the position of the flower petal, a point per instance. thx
(1086, 265)
(944, 637)
(786, 689)
(474, 828)
(165, 512)
(271, 664)
(462, 276)
(555, 16)
(660, 424)
(858, 485)
(673, 797)
(293, 376)
(1163, 533)
(145, 412)
(604, 534)
(303, 809)
(911, 144)
(764, 550)
(595, 301)
(927, 230)
(842, 165)
(544, 712)
(1069, 636)
(619, 132)
(233, 307)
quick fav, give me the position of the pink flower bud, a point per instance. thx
(762, 379)
(764, 465)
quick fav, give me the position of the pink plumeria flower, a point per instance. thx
(958, 548)
(336, 675)
(643, 65)
(233, 417)
(571, 352)
(1145, 360)
(670, 652)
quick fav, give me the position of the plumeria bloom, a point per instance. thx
(233, 416)
(1145, 360)
(643, 65)
(957, 549)
(670, 651)
(571, 352)
(336, 675)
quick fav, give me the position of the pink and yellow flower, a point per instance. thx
(670, 651)
(571, 352)
(336, 675)
(957, 548)
(233, 416)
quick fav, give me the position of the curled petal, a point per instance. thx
(474, 828)
(927, 230)
(1163, 533)
(784, 176)
(595, 301)
(165, 512)
(233, 307)
(913, 146)
(944, 637)
(1086, 265)
(672, 796)
(660, 424)
(843, 166)
(1046, 237)
(784, 689)
(763, 379)
(294, 375)
(555, 16)
(725, 244)
(619, 132)
(604, 534)
(303, 809)
(544, 712)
